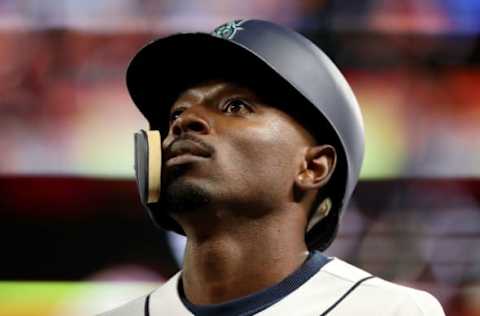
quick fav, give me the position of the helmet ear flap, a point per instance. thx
(148, 165)
(320, 213)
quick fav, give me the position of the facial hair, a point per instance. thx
(180, 195)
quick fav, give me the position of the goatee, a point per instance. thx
(182, 196)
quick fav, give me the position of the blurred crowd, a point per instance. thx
(413, 65)
(63, 98)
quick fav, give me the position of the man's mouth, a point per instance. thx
(183, 158)
(182, 151)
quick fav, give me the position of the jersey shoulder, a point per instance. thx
(162, 301)
(402, 299)
(135, 307)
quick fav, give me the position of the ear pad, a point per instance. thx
(148, 165)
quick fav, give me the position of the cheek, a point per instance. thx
(261, 156)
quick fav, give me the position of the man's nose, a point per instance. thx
(190, 121)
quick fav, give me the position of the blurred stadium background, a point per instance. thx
(75, 240)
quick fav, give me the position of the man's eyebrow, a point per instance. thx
(195, 93)
(181, 100)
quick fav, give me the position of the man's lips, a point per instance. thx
(183, 159)
(187, 148)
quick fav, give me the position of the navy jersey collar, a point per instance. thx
(254, 303)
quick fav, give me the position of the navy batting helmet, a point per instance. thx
(272, 58)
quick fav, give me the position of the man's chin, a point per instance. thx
(183, 195)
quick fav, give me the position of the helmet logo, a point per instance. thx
(228, 30)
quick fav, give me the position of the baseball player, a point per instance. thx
(255, 145)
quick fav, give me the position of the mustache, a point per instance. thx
(190, 137)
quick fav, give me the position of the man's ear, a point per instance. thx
(317, 167)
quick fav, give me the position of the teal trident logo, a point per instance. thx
(228, 29)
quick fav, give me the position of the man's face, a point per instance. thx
(228, 150)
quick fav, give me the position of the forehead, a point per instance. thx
(217, 88)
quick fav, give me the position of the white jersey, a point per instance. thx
(338, 289)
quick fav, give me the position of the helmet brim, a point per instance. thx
(165, 68)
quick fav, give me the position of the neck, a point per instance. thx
(241, 259)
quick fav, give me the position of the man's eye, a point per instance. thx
(235, 106)
(175, 114)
